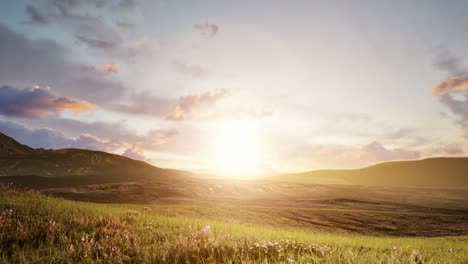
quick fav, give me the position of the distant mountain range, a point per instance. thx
(90, 167)
(432, 172)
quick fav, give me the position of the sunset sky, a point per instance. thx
(214, 86)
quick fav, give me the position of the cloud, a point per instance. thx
(89, 141)
(398, 133)
(104, 68)
(26, 62)
(145, 103)
(115, 132)
(454, 149)
(128, 4)
(454, 84)
(75, 128)
(240, 113)
(96, 24)
(70, 7)
(377, 152)
(96, 43)
(133, 146)
(186, 107)
(36, 138)
(158, 137)
(35, 16)
(134, 153)
(124, 24)
(453, 92)
(446, 61)
(151, 141)
(36, 102)
(458, 107)
(194, 71)
(187, 104)
(409, 137)
(346, 156)
(66, 6)
(207, 30)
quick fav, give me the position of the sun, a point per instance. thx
(236, 150)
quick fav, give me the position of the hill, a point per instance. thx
(96, 166)
(432, 172)
(9, 146)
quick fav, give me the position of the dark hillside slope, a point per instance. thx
(9, 146)
(433, 172)
(21, 160)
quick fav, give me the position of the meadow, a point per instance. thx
(35, 228)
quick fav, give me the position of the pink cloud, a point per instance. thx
(345, 156)
(454, 84)
(134, 153)
(36, 102)
(187, 104)
(454, 149)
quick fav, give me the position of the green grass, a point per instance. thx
(39, 229)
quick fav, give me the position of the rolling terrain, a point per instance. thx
(309, 201)
(432, 172)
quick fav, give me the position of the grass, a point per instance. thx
(39, 229)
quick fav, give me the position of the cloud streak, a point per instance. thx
(186, 105)
(106, 68)
(454, 84)
(207, 30)
(35, 16)
(194, 71)
(36, 102)
(95, 42)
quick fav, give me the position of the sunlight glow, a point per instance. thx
(236, 151)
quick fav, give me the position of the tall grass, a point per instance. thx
(39, 229)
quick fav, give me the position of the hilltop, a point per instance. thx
(432, 172)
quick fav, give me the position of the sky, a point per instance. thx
(238, 86)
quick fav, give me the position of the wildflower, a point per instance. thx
(290, 260)
(206, 229)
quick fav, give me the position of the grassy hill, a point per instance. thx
(41, 229)
(433, 172)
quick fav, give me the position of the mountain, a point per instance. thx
(9, 146)
(20, 160)
(432, 172)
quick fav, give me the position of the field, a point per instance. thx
(36, 228)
